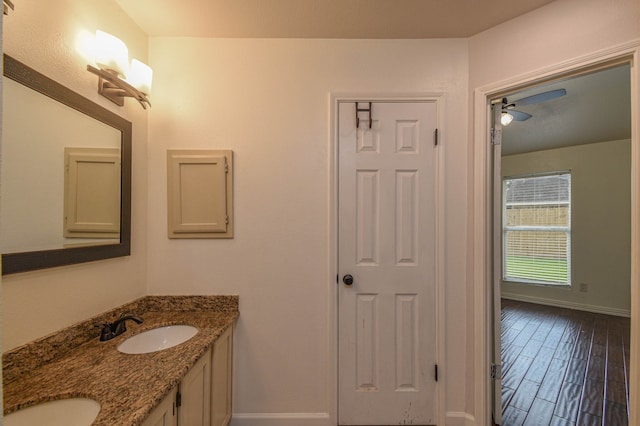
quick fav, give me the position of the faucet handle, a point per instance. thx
(106, 333)
(111, 330)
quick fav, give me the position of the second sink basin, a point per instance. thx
(157, 339)
(62, 412)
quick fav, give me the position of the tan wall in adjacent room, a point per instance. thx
(600, 225)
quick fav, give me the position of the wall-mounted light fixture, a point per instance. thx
(6, 5)
(118, 79)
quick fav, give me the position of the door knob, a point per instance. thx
(347, 279)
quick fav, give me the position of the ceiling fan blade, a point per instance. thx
(540, 97)
(518, 115)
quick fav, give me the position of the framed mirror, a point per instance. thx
(66, 175)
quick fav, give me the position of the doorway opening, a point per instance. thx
(579, 291)
(566, 243)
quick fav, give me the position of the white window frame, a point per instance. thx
(533, 228)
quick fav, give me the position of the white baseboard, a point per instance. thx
(453, 418)
(280, 419)
(569, 305)
(458, 418)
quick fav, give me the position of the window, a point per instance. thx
(536, 243)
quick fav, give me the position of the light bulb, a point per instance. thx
(111, 53)
(506, 118)
(140, 76)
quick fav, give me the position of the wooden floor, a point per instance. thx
(563, 367)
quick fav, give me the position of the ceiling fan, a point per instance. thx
(509, 113)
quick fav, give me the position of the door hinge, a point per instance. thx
(496, 136)
(436, 372)
(496, 371)
(435, 137)
(178, 399)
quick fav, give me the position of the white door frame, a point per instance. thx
(630, 53)
(335, 99)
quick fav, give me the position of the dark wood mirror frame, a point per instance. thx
(28, 261)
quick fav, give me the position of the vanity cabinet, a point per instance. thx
(194, 407)
(164, 414)
(222, 379)
(203, 396)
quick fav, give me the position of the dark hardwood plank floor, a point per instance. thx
(563, 367)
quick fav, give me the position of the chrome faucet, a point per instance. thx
(116, 328)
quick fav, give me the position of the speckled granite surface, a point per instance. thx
(74, 363)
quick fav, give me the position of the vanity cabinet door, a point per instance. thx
(164, 414)
(195, 391)
(221, 380)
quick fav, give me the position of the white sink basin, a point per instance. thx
(62, 412)
(157, 339)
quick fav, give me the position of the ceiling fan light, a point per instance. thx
(506, 118)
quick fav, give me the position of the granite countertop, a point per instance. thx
(127, 386)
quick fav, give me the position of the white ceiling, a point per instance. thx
(323, 18)
(596, 108)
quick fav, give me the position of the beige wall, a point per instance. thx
(600, 225)
(558, 32)
(551, 36)
(268, 101)
(44, 35)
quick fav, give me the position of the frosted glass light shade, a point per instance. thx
(111, 53)
(506, 118)
(140, 76)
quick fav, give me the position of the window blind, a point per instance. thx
(537, 228)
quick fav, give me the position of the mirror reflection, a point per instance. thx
(60, 175)
(66, 175)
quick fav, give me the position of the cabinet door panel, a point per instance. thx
(195, 389)
(163, 414)
(221, 381)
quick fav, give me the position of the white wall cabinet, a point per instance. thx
(92, 192)
(200, 193)
(203, 397)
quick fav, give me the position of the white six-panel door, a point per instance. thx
(387, 243)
